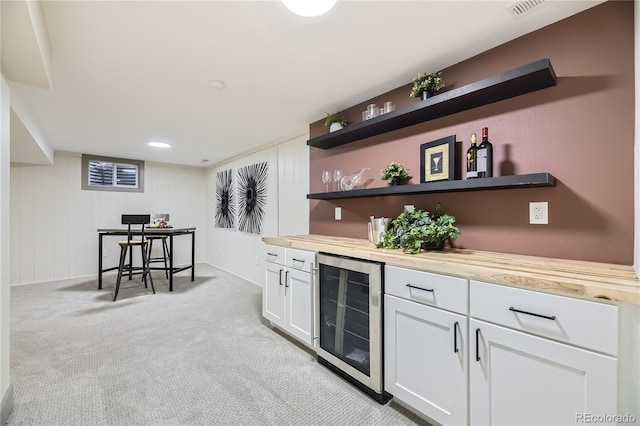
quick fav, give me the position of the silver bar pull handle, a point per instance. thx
(280, 279)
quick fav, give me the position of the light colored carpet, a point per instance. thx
(198, 356)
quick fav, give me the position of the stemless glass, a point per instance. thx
(326, 178)
(337, 177)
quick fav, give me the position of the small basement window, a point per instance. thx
(112, 174)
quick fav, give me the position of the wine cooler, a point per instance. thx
(349, 326)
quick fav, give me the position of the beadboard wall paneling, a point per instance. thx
(54, 222)
(230, 249)
(6, 389)
(293, 183)
(287, 208)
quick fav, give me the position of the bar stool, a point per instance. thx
(128, 245)
(165, 252)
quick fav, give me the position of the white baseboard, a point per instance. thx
(71, 279)
(234, 274)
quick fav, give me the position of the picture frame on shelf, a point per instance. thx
(437, 160)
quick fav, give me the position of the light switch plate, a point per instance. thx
(338, 213)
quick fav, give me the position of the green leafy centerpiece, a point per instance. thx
(417, 229)
(426, 85)
(395, 174)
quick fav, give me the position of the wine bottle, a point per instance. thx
(485, 156)
(472, 156)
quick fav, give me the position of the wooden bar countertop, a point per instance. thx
(570, 277)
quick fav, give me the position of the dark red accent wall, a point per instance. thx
(581, 131)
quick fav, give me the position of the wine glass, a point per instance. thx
(337, 178)
(326, 178)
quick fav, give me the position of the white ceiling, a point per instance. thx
(124, 72)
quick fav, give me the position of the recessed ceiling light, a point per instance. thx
(217, 84)
(309, 7)
(157, 144)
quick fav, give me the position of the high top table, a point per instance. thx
(168, 232)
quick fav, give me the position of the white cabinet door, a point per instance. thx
(273, 293)
(426, 359)
(520, 379)
(299, 307)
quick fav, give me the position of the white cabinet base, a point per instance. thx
(288, 292)
(426, 359)
(520, 379)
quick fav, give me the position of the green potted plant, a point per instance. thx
(395, 174)
(426, 85)
(416, 230)
(335, 121)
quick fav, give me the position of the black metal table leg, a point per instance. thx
(100, 261)
(170, 262)
(193, 256)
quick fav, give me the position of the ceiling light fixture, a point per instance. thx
(157, 144)
(309, 7)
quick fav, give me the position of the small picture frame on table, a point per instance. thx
(437, 160)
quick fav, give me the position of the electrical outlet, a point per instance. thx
(104, 252)
(338, 213)
(539, 213)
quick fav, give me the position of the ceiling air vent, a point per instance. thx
(524, 7)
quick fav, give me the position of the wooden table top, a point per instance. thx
(571, 277)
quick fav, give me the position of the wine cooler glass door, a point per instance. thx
(346, 318)
(344, 309)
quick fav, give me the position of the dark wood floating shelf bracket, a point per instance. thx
(501, 182)
(528, 78)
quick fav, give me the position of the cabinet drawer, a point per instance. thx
(579, 322)
(274, 254)
(424, 287)
(300, 259)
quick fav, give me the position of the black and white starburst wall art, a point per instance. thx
(252, 197)
(225, 200)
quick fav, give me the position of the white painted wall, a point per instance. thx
(54, 222)
(6, 393)
(287, 208)
(293, 184)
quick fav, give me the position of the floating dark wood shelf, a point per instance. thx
(500, 182)
(528, 78)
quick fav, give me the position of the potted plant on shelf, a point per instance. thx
(335, 121)
(426, 85)
(395, 173)
(415, 230)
